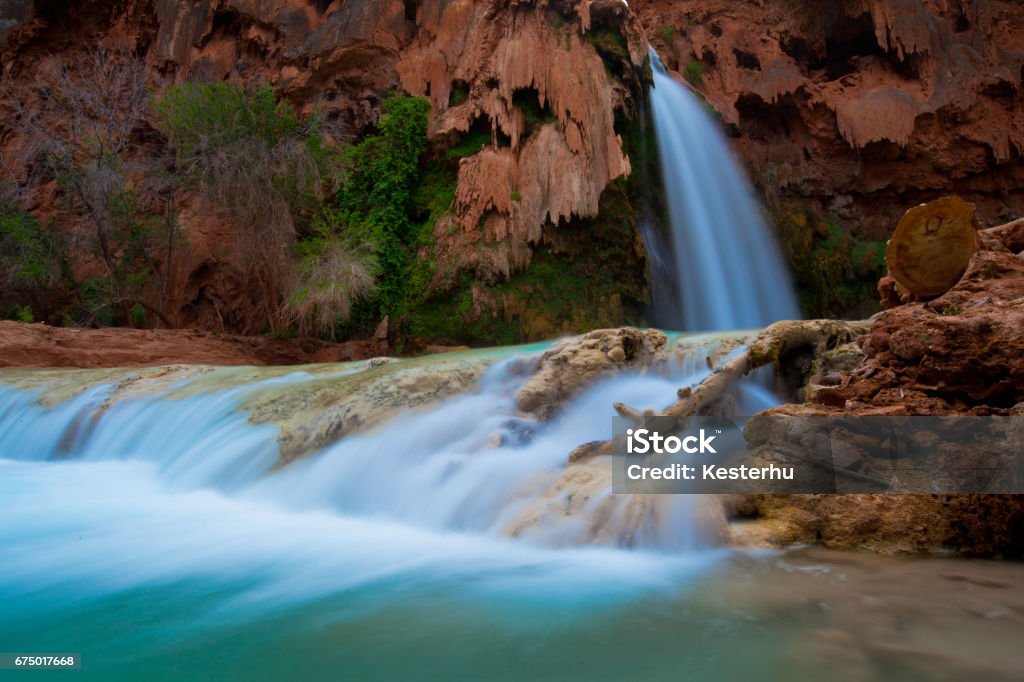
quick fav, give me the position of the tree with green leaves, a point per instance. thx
(252, 156)
(377, 196)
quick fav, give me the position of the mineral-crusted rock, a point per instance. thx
(575, 363)
(861, 108)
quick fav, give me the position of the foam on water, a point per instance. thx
(175, 501)
(472, 463)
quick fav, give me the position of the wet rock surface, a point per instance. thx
(961, 353)
(573, 364)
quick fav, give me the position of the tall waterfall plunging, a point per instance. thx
(731, 274)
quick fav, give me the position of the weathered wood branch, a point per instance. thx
(771, 344)
(691, 400)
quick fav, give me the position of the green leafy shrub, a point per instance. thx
(612, 48)
(28, 255)
(472, 142)
(23, 313)
(459, 93)
(211, 116)
(835, 273)
(377, 197)
(594, 280)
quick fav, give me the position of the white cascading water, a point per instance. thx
(731, 274)
(470, 464)
(153, 526)
(174, 494)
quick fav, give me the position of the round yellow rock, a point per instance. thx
(932, 246)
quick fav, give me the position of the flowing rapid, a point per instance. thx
(148, 521)
(730, 273)
(150, 528)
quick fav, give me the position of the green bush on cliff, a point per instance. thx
(251, 153)
(376, 199)
(469, 144)
(694, 72)
(594, 279)
(30, 263)
(27, 251)
(208, 117)
(612, 48)
(835, 273)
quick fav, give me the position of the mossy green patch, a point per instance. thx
(459, 93)
(593, 278)
(535, 114)
(612, 48)
(835, 273)
(694, 72)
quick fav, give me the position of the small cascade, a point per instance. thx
(167, 488)
(730, 271)
(470, 464)
(199, 441)
(160, 502)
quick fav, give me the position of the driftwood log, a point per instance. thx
(773, 343)
(932, 246)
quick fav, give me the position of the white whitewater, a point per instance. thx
(174, 497)
(731, 274)
(160, 524)
(469, 464)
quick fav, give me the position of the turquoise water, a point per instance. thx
(157, 538)
(150, 582)
(153, 584)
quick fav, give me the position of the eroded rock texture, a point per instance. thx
(958, 354)
(545, 78)
(861, 108)
(962, 351)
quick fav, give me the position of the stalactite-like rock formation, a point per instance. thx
(860, 108)
(546, 78)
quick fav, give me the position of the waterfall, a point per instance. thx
(731, 274)
(149, 522)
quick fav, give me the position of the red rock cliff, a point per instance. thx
(473, 59)
(861, 108)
